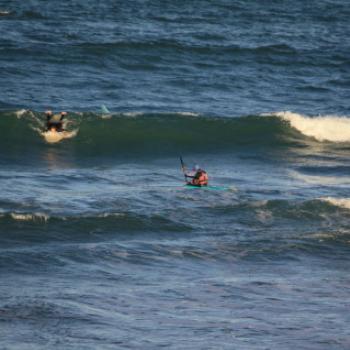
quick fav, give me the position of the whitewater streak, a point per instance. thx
(322, 128)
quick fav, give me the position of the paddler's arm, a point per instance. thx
(63, 115)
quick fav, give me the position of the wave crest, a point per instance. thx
(155, 134)
(322, 128)
(343, 203)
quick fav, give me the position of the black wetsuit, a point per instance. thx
(55, 121)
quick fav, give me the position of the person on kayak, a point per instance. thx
(199, 177)
(54, 122)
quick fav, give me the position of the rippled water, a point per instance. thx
(102, 245)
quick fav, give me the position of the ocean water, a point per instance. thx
(102, 246)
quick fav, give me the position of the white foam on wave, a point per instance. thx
(320, 179)
(107, 215)
(188, 114)
(21, 112)
(322, 128)
(132, 114)
(338, 202)
(30, 217)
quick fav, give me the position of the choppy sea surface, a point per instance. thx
(101, 244)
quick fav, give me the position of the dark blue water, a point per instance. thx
(101, 244)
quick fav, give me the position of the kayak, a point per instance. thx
(208, 188)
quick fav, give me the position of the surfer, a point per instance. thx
(54, 122)
(199, 177)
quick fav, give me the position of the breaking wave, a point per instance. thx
(322, 128)
(171, 133)
(343, 203)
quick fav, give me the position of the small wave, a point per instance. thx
(132, 114)
(180, 113)
(322, 128)
(32, 15)
(30, 217)
(321, 180)
(188, 114)
(186, 46)
(107, 215)
(338, 202)
(318, 210)
(92, 222)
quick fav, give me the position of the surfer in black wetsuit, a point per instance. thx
(54, 122)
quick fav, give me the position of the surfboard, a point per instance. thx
(208, 188)
(54, 136)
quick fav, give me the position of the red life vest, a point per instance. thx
(200, 179)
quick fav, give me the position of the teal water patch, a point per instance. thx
(208, 188)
